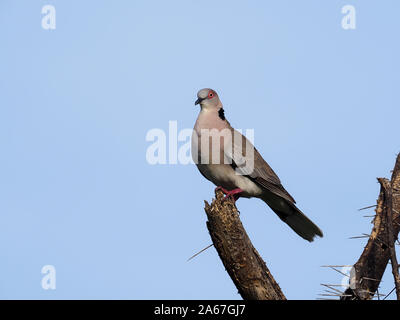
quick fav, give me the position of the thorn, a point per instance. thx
(334, 285)
(325, 285)
(334, 295)
(332, 292)
(389, 293)
(332, 267)
(366, 278)
(346, 275)
(202, 250)
(367, 207)
(337, 266)
(359, 237)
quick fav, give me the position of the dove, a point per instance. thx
(229, 160)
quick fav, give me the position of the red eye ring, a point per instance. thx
(211, 94)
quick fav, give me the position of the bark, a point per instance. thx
(391, 239)
(370, 267)
(244, 265)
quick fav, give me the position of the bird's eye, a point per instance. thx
(210, 94)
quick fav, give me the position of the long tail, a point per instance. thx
(290, 214)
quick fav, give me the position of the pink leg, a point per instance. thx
(222, 189)
(233, 194)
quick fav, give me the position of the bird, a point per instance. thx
(229, 160)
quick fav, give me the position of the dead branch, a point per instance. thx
(391, 239)
(369, 269)
(244, 265)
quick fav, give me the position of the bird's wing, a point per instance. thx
(261, 173)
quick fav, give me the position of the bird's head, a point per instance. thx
(208, 99)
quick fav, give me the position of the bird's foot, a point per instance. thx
(221, 189)
(230, 194)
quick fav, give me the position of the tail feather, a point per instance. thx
(292, 216)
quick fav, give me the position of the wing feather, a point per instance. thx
(261, 173)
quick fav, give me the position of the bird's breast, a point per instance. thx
(225, 176)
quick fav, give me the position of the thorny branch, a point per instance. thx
(369, 269)
(391, 239)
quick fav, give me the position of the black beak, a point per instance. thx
(199, 100)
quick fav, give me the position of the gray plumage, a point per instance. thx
(232, 171)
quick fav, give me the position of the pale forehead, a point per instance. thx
(203, 93)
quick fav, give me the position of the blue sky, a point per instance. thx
(77, 192)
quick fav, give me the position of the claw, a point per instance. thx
(221, 189)
(230, 194)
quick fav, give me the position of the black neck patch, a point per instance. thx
(221, 113)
